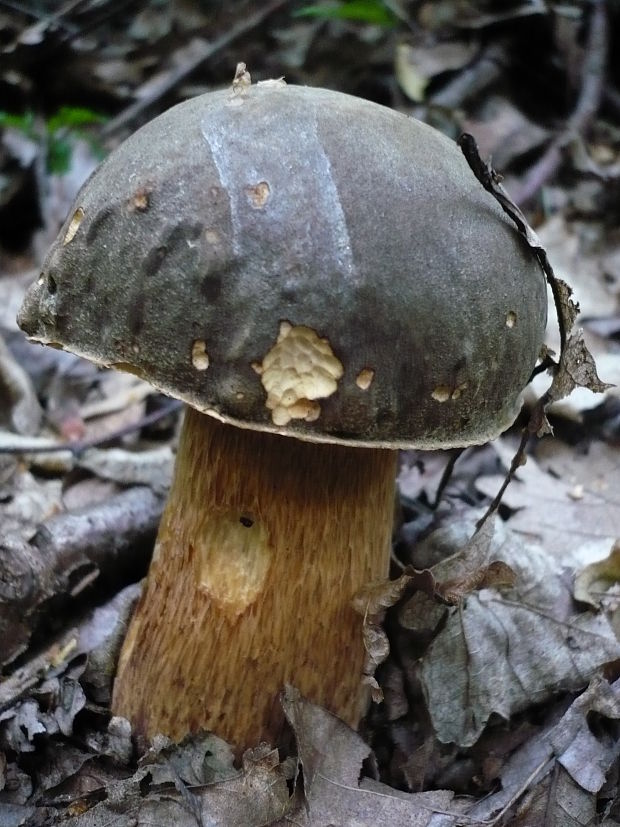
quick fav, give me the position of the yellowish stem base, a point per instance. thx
(263, 543)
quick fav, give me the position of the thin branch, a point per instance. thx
(446, 477)
(78, 447)
(188, 58)
(588, 103)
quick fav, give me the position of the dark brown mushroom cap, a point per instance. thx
(300, 261)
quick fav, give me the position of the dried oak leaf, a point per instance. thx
(576, 369)
(331, 756)
(563, 499)
(499, 654)
(371, 602)
(585, 753)
(170, 787)
(496, 575)
(595, 578)
(201, 759)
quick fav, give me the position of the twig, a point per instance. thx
(492, 182)
(78, 447)
(518, 460)
(109, 544)
(566, 309)
(588, 103)
(52, 661)
(189, 58)
(446, 477)
(543, 767)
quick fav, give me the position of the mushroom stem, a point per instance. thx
(262, 545)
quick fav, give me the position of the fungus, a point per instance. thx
(372, 244)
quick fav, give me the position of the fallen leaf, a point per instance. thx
(585, 754)
(152, 467)
(18, 400)
(542, 500)
(581, 266)
(576, 369)
(496, 575)
(500, 653)
(100, 636)
(415, 65)
(593, 580)
(331, 756)
(503, 132)
(253, 797)
(201, 759)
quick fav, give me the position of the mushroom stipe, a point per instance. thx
(249, 608)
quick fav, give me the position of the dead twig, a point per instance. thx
(186, 60)
(79, 446)
(588, 103)
(575, 366)
(50, 662)
(109, 543)
(446, 476)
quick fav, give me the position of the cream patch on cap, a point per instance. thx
(299, 369)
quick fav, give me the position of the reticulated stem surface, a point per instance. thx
(263, 543)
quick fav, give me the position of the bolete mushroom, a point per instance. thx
(322, 280)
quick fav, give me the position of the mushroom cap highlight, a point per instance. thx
(304, 262)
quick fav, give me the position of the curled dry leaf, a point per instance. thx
(584, 752)
(331, 757)
(496, 575)
(499, 654)
(372, 601)
(593, 580)
(576, 369)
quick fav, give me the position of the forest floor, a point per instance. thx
(497, 697)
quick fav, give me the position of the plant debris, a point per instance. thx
(493, 651)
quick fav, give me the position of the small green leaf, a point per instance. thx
(73, 117)
(25, 122)
(362, 11)
(59, 152)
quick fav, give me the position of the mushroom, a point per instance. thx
(323, 281)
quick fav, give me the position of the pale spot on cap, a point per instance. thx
(299, 369)
(364, 378)
(74, 225)
(200, 357)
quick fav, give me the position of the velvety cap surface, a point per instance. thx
(304, 262)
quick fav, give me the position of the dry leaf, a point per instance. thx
(500, 655)
(496, 575)
(152, 467)
(576, 369)
(592, 581)
(416, 65)
(542, 497)
(253, 797)
(585, 753)
(573, 260)
(503, 132)
(331, 756)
